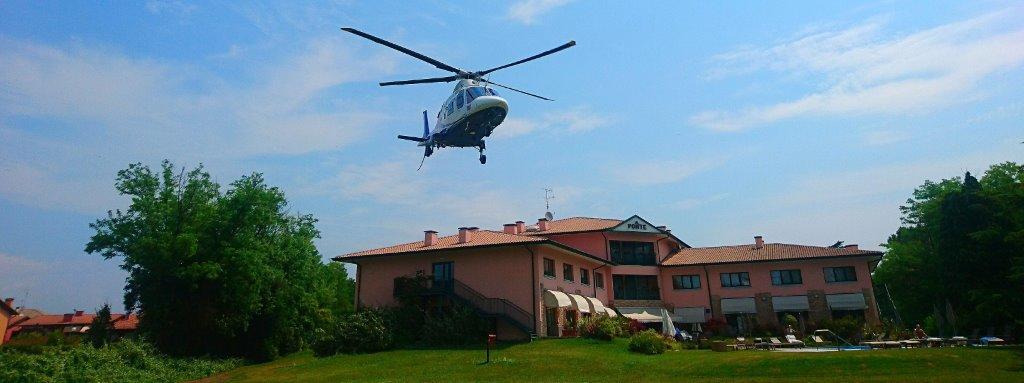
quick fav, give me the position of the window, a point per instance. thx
(840, 274)
(451, 108)
(490, 92)
(473, 93)
(459, 101)
(567, 272)
(685, 282)
(584, 276)
(643, 287)
(786, 277)
(633, 253)
(599, 280)
(735, 279)
(549, 267)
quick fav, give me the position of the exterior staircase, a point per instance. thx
(487, 307)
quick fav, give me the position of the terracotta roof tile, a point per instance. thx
(480, 238)
(749, 253)
(127, 322)
(576, 224)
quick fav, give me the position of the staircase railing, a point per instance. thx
(457, 289)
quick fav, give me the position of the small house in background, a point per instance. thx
(7, 312)
(70, 324)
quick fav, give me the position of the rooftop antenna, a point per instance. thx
(548, 196)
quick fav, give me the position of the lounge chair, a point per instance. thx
(908, 343)
(741, 344)
(793, 341)
(992, 341)
(958, 341)
(761, 345)
(817, 339)
(777, 343)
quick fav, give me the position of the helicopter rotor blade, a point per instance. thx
(517, 90)
(534, 57)
(421, 81)
(410, 52)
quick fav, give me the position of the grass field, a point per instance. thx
(586, 360)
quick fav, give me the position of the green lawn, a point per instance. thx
(587, 360)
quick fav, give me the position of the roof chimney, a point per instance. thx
(758, 242)
(509, 228)
(465, 234)
(542, 224)
(79, 313)
(520, 227)
(429, 237)
(67, 317)
(852, 247)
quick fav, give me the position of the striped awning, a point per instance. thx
(596, 306)
(580, 303)
(791, 303)
(738, 306)
(555, 299)
(854, 301)
(688, 315)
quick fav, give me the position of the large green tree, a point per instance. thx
(215, 273)
(958, 258)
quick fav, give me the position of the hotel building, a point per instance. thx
(539, 279)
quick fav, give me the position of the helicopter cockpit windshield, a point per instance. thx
(477, 91)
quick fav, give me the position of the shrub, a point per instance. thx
(647, 342)
(456, 326)
(363, 332)
(125, 360)
(604, 327)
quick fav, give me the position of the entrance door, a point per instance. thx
(443, 275)
(551, 319)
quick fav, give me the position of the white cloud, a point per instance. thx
(653, 172)
(527, 11)
(884, 137)
(99, 109)
(867, 70)
(573, 120)
(690, 203)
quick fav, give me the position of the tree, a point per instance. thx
(212, 273)
(102, 328)
(958, 258)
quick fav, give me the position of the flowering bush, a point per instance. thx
(647, 342)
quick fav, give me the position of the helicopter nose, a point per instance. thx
(487, 102)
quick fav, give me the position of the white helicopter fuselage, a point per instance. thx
(469, 115)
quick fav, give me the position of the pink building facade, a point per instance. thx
(538, 280)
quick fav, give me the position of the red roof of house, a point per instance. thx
(121, 321)
(480, 238)
(575, 225)
(126, 322)
(751, 253)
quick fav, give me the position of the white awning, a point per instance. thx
(580, 303)
(554, 299)
(688, 315)
(791, 303)
(738, 306)
(611, 312)
(596, 306)
(854, 301)
(642, 314)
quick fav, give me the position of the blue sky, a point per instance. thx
(805, 122)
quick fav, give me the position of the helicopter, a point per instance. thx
(471, 112)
